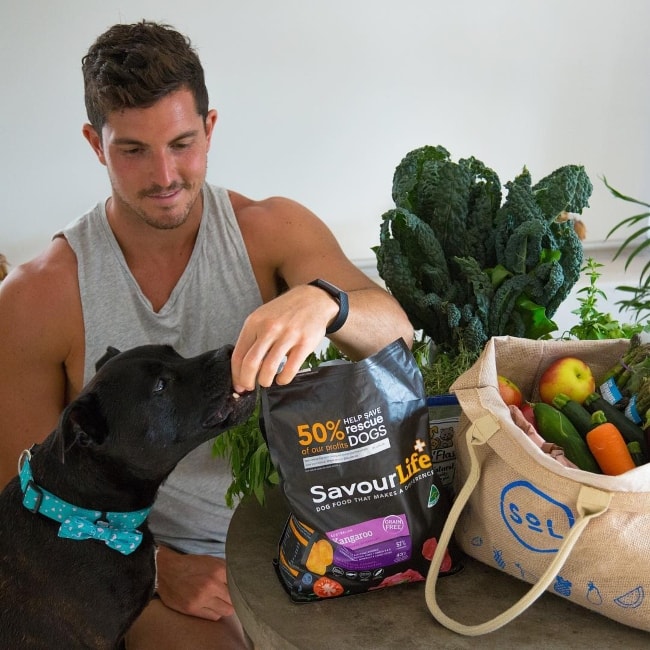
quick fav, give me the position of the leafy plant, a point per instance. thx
(466, 267)
(639, 295)
(593, 323)
(440, 369)
(245, 449)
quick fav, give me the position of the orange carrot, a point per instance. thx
(608, 446)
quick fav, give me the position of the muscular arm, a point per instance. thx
(288, 245)
(39, 315)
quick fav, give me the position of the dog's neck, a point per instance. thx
(79, 479)
(118, 530)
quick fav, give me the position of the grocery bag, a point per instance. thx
(580, 535)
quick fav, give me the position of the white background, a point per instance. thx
(319, 101)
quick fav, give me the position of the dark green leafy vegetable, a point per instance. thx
(466, 267)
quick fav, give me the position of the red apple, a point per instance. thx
(568, 375)
(509, 391)
(528, 412)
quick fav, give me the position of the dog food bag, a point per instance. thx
(351, 444)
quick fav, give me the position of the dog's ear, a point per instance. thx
(82, 423)
(109, 354)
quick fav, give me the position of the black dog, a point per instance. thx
(77, 560)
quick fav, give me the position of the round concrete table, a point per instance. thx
(396, 617)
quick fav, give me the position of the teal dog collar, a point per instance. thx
(116, 529)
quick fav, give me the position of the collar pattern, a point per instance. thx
(116, 529)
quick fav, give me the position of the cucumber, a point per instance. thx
(576, 412)
(635, 451)
(630, 431)
(556, 427)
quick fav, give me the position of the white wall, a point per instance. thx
(319, 101)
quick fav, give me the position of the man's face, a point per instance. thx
(156, 159)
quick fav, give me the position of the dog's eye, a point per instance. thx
(160, 386)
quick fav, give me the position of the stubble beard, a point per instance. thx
(166, 219)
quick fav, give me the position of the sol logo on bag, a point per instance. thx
(535, 519)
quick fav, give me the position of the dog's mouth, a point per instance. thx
(235, 409)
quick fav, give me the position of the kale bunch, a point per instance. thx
(465, 266)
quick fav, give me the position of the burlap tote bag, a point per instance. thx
(580, 535)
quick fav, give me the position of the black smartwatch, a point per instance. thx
(341, 297)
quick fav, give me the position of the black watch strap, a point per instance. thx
(341, 297)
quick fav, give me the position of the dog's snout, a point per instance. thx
(216, 368)
(225, 353)
(220, 355)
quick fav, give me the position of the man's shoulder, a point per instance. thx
(52, 274)
(270, 207)
(42, 326)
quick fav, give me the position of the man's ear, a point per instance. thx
(95, 141)
(81, 423)
(210, 121)
(109, 354)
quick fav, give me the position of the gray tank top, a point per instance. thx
(206, 309)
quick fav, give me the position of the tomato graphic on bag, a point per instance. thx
(429, 548)
(327, 588)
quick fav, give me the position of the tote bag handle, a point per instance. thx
(591, 503)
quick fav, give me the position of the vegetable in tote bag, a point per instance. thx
(580, 535)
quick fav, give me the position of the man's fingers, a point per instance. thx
(259, 364)
(293, 363)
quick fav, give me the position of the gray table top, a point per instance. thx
(396, 617)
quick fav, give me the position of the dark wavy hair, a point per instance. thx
(133, 66)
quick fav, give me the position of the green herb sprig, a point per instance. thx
(593, 323)
(440, 369)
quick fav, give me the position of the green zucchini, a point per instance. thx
(576, 412)
(556, 427)
(635, 451)
(630, 431)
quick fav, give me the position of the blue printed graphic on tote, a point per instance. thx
(536, 520)
(631, 599)
(526, 575)
(562, 586)
(593, 594)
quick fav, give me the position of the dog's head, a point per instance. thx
(147, 407)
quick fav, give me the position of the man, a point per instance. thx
(171, 259)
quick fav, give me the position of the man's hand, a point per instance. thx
(288, 328)
(193, 584)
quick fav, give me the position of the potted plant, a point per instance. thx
(638, 300)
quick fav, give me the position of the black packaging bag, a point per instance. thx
(351, 444)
